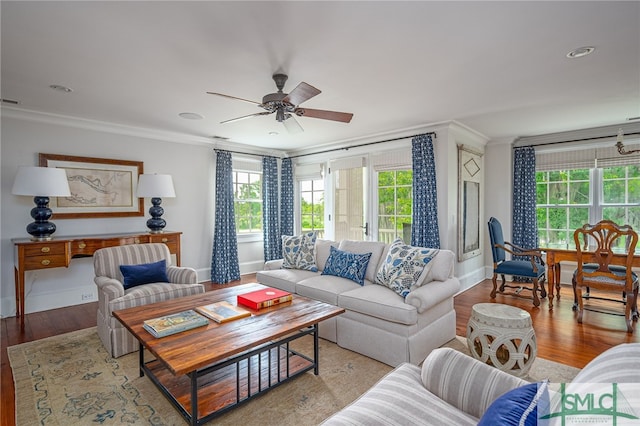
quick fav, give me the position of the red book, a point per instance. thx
(264, 298)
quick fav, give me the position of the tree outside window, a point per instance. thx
(395, 200)
(312, 206)
(568, 199)
(247, 193)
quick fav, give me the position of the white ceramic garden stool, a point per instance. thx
(502, 336)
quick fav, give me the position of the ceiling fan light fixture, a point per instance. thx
(580, 52)
(280, 116)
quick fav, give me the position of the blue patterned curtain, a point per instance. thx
(424, 229)
(270, 216)
(525, 223)
(224, 258)
(286, 197)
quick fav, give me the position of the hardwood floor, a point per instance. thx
(560, 337)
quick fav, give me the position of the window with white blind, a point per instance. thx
(585, 186)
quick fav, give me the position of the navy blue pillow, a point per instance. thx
(348, 265)
(146, 273)
(518, 406)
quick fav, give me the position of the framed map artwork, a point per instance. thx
(99, 187)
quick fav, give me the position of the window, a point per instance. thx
(567, 199)
(394, 201)
(247, 194)
(312, 206)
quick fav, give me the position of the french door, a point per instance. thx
(349, 199)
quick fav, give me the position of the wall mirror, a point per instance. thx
(469, 185)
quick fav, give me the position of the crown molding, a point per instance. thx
(102, 126)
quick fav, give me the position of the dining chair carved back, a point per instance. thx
(612, 246)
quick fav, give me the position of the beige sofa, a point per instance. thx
(377, 322)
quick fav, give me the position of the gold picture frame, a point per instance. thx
(100, 187)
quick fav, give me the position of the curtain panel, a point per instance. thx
(270, 215)
(424, 227)
(525, 223)
(286, 197)
(224, 258)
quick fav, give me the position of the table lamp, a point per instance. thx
(156, 186)
(42, 183)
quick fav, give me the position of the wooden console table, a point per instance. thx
(32, 255)
(555, 256)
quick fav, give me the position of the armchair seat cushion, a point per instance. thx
(152, 293)
(520, 268)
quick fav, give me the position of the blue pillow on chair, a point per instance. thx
(519, 406)
(145, 273)
(352, 266)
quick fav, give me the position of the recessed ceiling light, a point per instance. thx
(61, 88)
(274, 133)
(580, 52)
(191, 116)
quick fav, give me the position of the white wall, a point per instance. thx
(192, 168)
(498, 194)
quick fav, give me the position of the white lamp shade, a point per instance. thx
(158, 186)
(41, 181)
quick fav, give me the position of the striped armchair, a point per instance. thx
(112, 295)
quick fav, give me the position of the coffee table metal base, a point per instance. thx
(235, 380)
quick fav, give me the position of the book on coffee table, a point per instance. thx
(260, 299)
(174, 323)
(223, 311)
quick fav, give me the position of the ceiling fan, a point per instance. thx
(285, 106)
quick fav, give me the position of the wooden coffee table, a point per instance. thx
(206, 371)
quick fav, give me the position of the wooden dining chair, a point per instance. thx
(606, 239)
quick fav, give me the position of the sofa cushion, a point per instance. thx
(441, 266)
(146, 273)
(348, 265)
(374, 247)
(403, 265)
(380, 302)
(519, 406)
(325, 288)
(322, 252)
(298, 251)
(284, 279)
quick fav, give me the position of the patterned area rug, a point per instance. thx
(70, 380)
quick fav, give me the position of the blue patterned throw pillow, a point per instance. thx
(403, 266)
(298, 252)
(352, 266)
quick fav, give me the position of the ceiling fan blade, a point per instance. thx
(234, 97)
(344, 117)
(301, 93)
(245, 117)
(292, 125)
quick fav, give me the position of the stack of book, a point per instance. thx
(174, 323)
(265, 298)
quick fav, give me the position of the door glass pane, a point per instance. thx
(348, 203)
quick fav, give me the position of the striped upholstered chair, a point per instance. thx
(113, 296)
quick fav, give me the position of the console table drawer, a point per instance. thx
(44, 249)
(42, 262)
(172, 241)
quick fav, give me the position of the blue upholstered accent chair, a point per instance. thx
(532, 269)
(608, 273)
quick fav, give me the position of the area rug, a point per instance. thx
(71, 380)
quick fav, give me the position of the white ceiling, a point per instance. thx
(497, 67)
